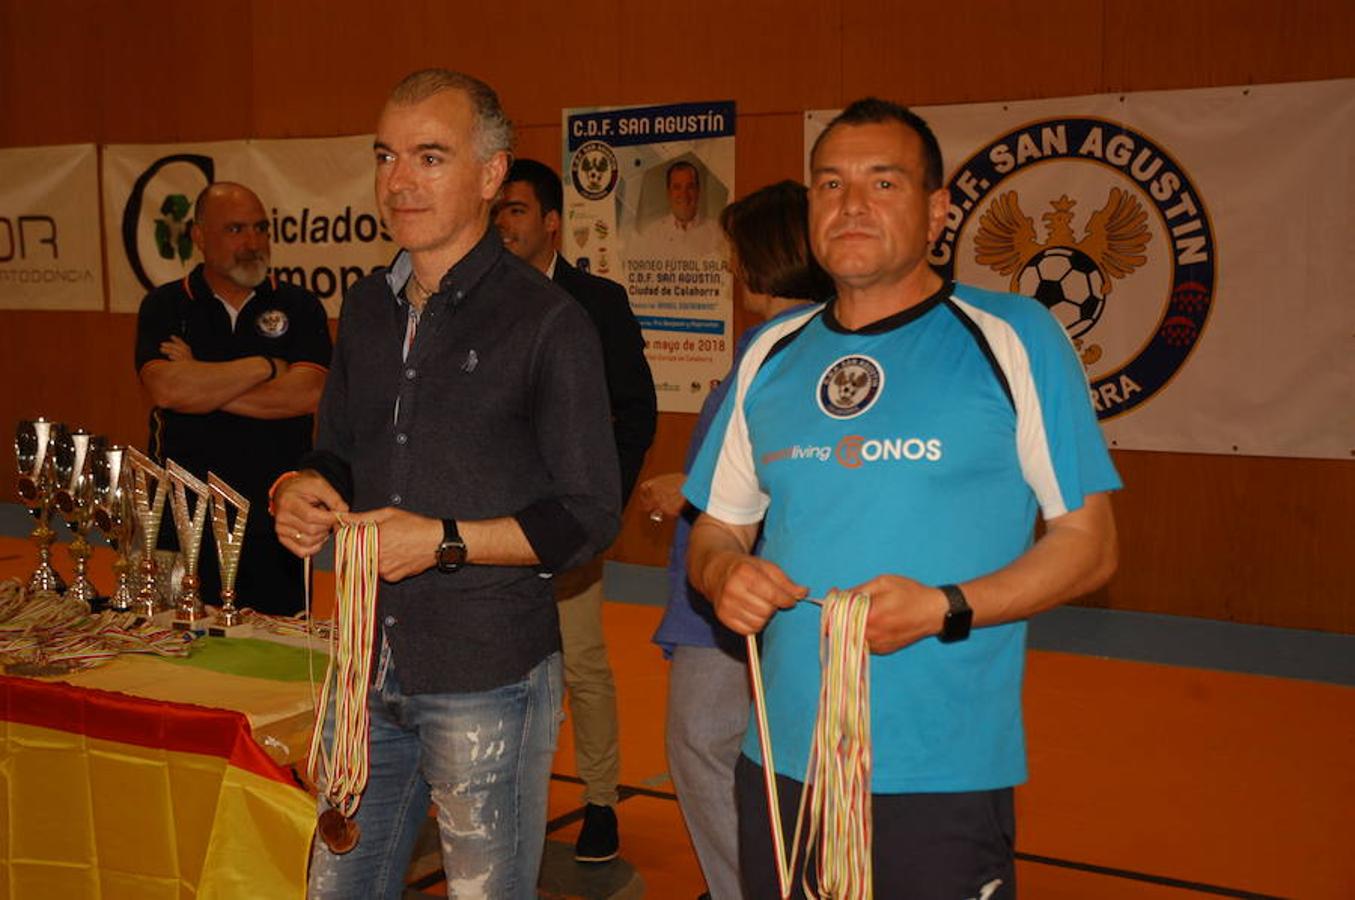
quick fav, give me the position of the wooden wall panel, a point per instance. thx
(330, 90)
(1252, 540)
(75, 368)
(172, 72)
(541, 57)
(970, 51)
(768, 56)
(539, 142)
(1159, 44)
(49, 69)
(1249, 539)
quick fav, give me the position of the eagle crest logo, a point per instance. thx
(1071, 276)
(594, 170)
(850, 386)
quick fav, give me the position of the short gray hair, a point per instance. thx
(493, 131)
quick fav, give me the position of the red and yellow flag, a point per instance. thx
(108, 796)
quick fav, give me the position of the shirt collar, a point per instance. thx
(550, 269)
(890, 322)
(460, 279)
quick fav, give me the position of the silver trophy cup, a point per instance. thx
(32, 451)
(113, 516)
(74, 497)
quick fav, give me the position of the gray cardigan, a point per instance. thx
(502, 411)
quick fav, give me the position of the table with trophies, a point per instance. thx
(145, 735)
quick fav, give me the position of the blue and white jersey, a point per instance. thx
(922, 445)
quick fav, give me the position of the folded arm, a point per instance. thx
(293, 393)
(190, 386)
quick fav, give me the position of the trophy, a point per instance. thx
(32, 444)
(149, 486)
(74, 496)
(230, 540)
(189, 523)
(113, 516)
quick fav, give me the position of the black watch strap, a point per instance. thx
(959, 616)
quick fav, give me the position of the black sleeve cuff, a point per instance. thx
(333, 469)
(555, 535)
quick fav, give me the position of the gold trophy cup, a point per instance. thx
(189, 521)
(149, 488)
(230, 540)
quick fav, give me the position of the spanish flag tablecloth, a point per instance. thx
(105, 795)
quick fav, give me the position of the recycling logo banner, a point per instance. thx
(317, 194)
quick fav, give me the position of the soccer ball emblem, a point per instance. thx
(1068, 282)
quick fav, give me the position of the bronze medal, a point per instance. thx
(339, 832)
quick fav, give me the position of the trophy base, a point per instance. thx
(216, 629)
(162, 619)
(197, 626)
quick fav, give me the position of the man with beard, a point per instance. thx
(234, 362)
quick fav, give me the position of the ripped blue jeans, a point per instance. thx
(483, 758)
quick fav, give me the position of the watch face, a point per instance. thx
(451, 556)
(957, 625)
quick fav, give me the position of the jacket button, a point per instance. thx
(390, 621)
(409, 374)
(402, 438)
(395, 499)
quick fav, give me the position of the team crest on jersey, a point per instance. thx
(272, 323)
(850, 386)
(594, 170)
(1142, 225)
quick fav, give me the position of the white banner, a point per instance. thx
(49, 228)
(644, 187)
(318, 194)
(1196, 245)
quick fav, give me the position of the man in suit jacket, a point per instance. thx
(527, 215)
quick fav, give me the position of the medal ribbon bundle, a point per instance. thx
(341, 771)
(46, 633)
(837, 776)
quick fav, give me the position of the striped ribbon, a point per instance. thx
(341, 769)
(837, 775)
(46, 631)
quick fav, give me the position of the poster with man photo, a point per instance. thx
(644, 187)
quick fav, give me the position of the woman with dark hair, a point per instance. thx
(707, 681)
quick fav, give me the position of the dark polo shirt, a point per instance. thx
(281, 321)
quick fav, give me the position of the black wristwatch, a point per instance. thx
(959, 618)
(452, 551)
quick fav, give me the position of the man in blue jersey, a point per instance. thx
(900, 441)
